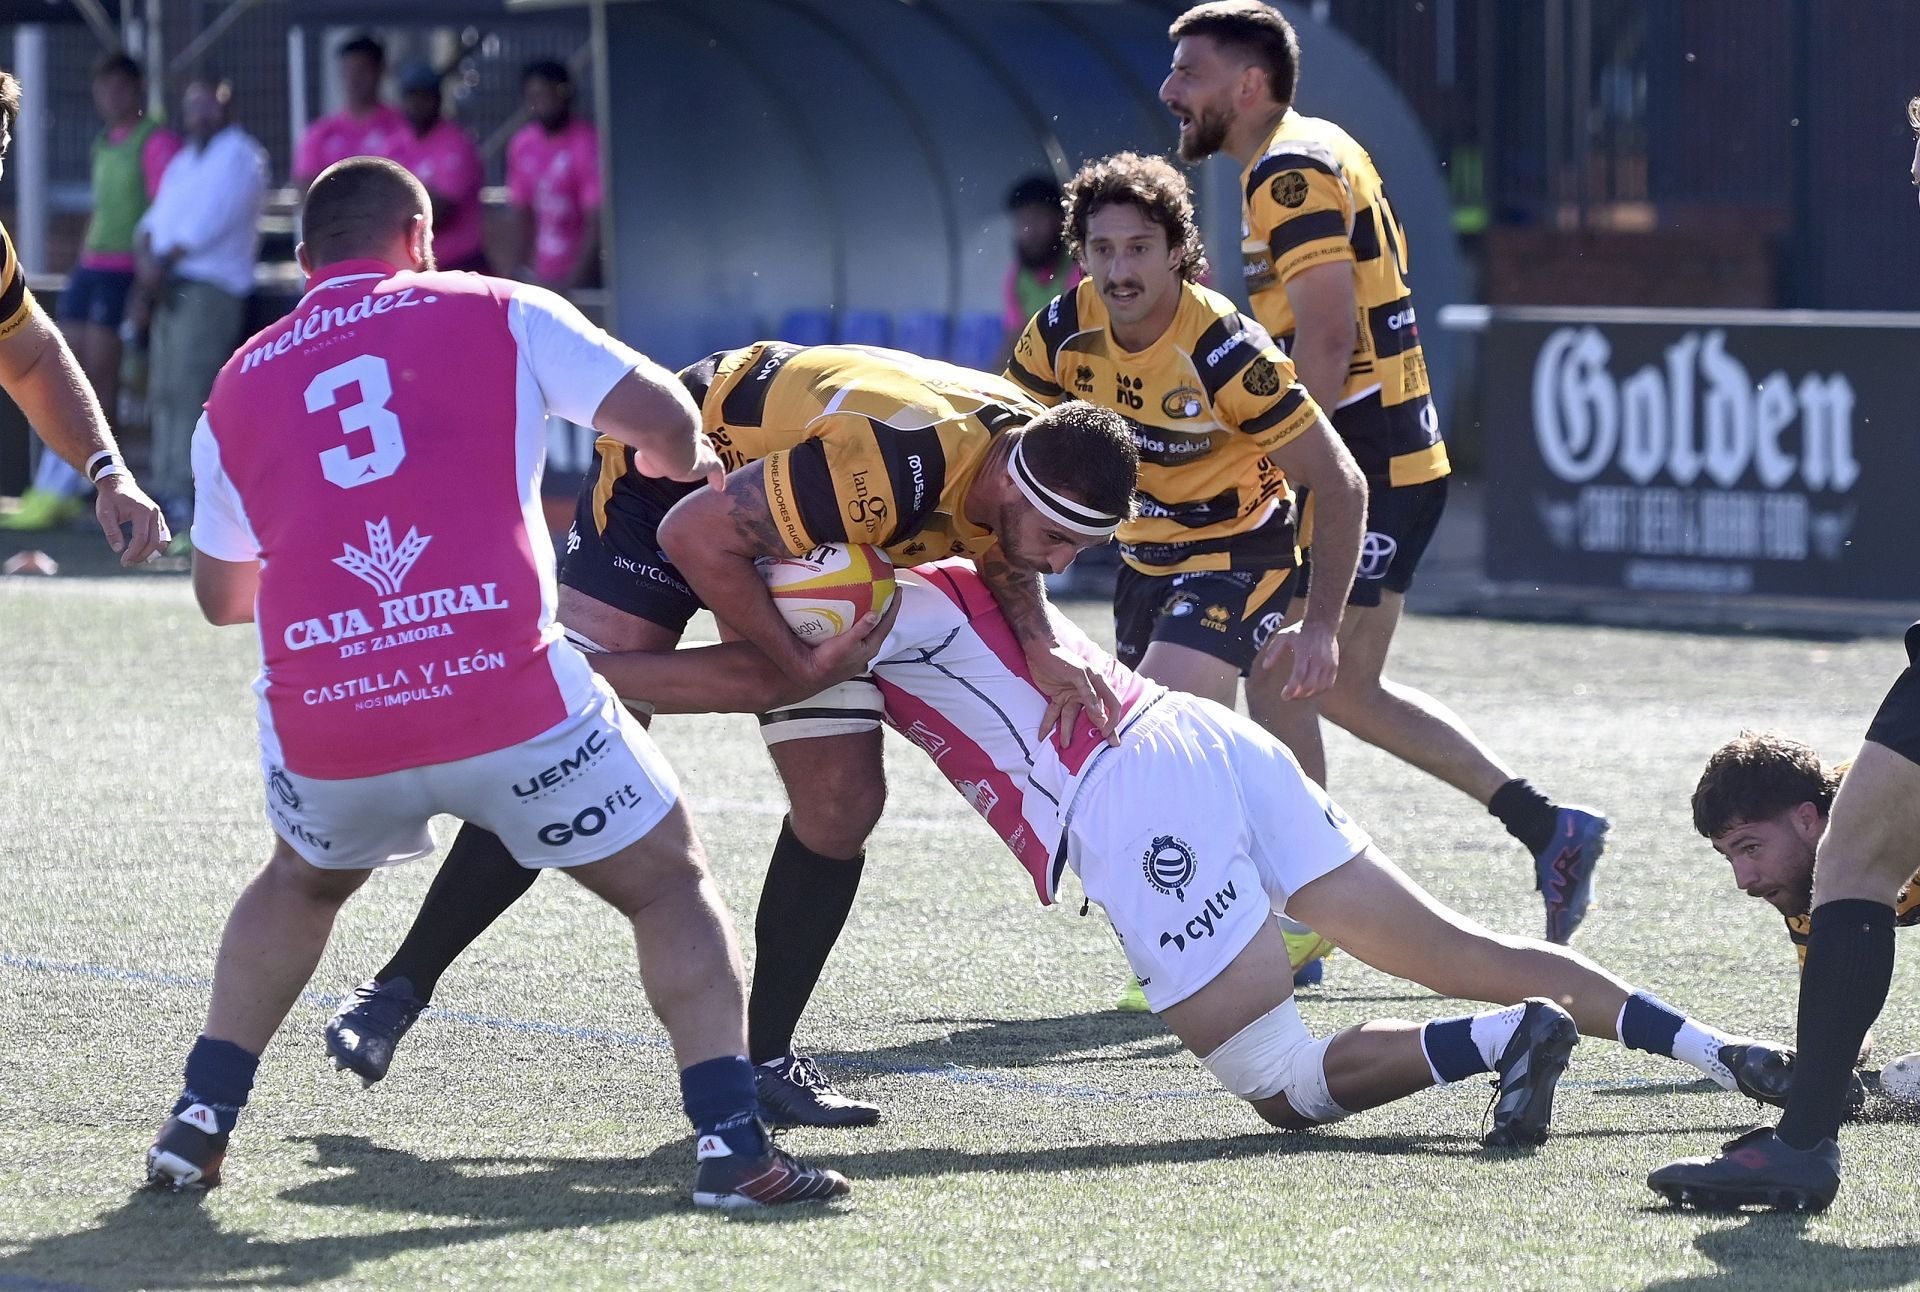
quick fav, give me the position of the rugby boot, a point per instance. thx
(1563, 871)
(1527, 1074)
(794, 1092)
(729, 1181)
(362, 1036)
(1764, 1073)
(186, 1155)
(1133, 998)
(1756, 1170)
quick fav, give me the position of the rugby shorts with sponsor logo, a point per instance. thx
(1400, 524)
(1226, 614)
(1193, 834)
(578, 792)
(612, 554)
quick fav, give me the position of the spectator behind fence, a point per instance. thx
(1042, 268)
(442, 156)
(129, 156)
(553, 181)
(198, 245)
(364, 127)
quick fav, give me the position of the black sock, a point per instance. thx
(1842, 989)
(477, 882)
(1528, 814)
(803, 906)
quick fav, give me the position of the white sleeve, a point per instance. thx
(574, 362)
(926, 617)
(220, 527)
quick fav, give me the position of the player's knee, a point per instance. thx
(288, 870)
(834, 812)
(1275, 1064)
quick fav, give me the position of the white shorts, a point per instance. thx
(1192, 834)
(852, 706)
(578, 792)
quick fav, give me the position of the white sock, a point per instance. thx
(1700, 1046)
(1494, 1029)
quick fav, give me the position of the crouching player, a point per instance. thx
(1192, 834)
(373, 460)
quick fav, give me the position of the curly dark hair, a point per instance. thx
(1257, 30)
(1758, 775)
(1150, 183)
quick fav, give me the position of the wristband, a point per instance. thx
(114, 468)
(103, 463)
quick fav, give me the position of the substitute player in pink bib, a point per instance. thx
(364, 127)
(368, 472)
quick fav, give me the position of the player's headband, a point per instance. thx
(1061, 510)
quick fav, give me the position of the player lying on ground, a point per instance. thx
(824, 443)
(406, 410)
(1764, 801)
(1192, 834)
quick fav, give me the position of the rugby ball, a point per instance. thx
(825, 592)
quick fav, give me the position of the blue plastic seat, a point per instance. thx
(977, 341)
(922, 332)
(866, 327)
(807, 327)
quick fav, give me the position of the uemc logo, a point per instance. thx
(1698, 413)
(563, 771)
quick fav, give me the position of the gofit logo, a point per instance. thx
(565, 770)
(590, 821)
(1201, 925)
(1169, 865)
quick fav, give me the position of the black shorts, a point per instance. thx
(97, 296)
(1897, 724)
(612, 551)
(1400, 524)
(1228, 614)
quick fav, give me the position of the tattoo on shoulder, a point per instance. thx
(751, 514)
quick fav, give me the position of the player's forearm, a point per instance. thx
(1321, 354)
(650, 411)
(1340, 522)
(732, 677)
(713, 539)
(1022, 597)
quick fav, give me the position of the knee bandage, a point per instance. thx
(1273, 1055)
(842, 710)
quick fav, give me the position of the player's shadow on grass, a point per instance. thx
(1755, 1252)
(1019, 1043)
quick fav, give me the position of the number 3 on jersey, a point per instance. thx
(340, 464)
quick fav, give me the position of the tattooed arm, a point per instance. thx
(1070, 683)
(714, 537)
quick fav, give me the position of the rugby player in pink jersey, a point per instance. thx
(365, 127)
(367, 472)
(1192, 834)
(553, 184)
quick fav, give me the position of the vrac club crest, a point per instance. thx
(1169, 865)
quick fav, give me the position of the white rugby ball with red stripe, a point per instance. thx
(824, 593)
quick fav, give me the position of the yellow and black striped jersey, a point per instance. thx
(862, 445)
(1207, 402)
(1313, 198)
(16, 303)
(1906, 913)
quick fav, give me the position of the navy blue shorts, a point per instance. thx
(96, 296)
(1400, 524)
(1897, 724)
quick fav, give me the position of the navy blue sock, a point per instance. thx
(1648, 1023)
(1842, 990)
(1451, 1052)
(720, 1102)
(220, 1076)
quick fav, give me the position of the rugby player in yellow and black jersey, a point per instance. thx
(824, 444)
(40, 374)
(1326, 264)
(1223, 429)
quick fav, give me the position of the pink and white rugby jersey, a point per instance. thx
(956, 683)
(379, 451)
(342, 135)
(557, 176)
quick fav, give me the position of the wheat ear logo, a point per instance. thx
(382, 564)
